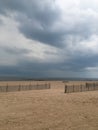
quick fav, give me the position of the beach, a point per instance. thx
(50, 109)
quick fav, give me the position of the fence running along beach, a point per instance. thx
(14, 88)
(81, 88)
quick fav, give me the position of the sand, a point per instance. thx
(49, 109)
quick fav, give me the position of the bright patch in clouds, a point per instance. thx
(11, 38)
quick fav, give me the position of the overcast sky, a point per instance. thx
(49, 38)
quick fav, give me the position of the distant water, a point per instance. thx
(8, 78)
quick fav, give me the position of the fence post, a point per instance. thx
(94, 85)
(45, 86)
(7, 88)
(73, 88)
(19, 88)
(88, 86)
(49, 85)
(0, 89)
(29, 86)
(81, 88)
(37, 86)
(65, 88)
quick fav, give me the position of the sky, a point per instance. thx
(49, 38)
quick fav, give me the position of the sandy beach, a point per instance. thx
(48, 109)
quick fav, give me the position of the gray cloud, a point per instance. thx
(79, 63)
(72, 68)
(47, 23)
(14, 50)
(38, 21)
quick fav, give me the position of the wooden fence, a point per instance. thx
(9, 88)
(81, 88)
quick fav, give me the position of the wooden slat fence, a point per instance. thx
(9, 88)
(81, 88)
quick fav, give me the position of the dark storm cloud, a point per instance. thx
(38, 18)
(33, 69)
(39, 14)
(37, 24)
(29, 69)
(41, 20)
(47, 37)
(80, 63)
(9, 70)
